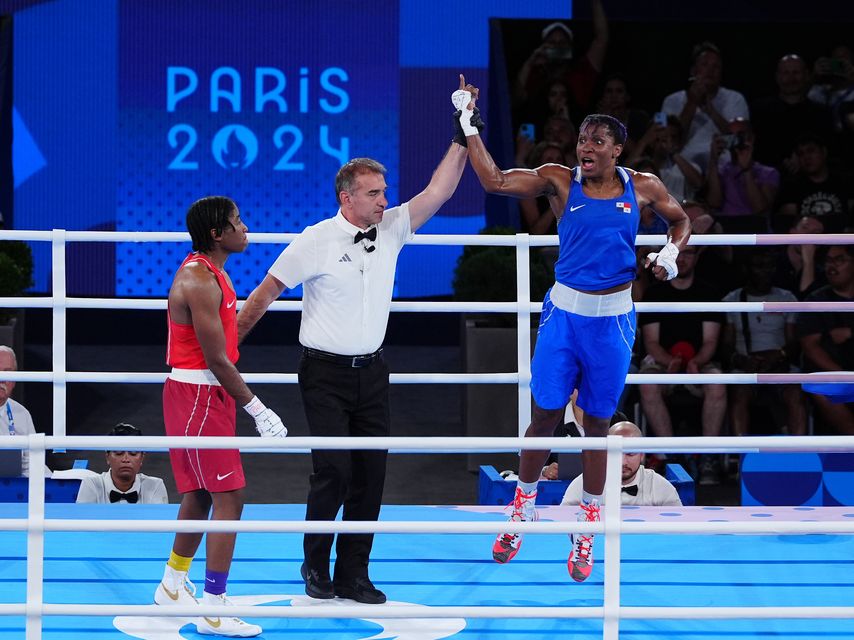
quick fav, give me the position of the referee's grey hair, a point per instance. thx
(345, 180)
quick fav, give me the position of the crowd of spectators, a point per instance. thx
(776, 164)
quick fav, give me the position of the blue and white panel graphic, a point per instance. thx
(260, 102)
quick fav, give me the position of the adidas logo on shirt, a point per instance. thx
(345, 258)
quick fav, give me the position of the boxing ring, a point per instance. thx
(71, 571)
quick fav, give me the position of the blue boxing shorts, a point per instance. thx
(584, 342)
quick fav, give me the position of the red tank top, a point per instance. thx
(183, 350)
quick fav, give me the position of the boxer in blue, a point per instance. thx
(587, 327)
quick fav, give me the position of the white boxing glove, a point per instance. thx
(666, 258)
(461, 99)
(267, 423)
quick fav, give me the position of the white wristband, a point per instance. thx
(254, 407)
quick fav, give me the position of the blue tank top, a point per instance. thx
(597, 238)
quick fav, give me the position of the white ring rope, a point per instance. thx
(743, 239)
(438, 444)
(147, 304)
(448, 378)
(403, 611)
(764, 527)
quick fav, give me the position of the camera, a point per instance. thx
(556, 54)
(735, 141)
(739, 141)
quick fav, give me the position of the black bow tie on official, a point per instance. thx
(130, 496)
(370, 234)
(632, 490)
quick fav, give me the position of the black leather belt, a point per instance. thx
(357, 362)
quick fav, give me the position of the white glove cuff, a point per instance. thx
(461, 100)
(670, 251)
(666, 259)
(254, 407)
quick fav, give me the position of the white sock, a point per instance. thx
(590, 498)
(210, 598)
(172, 578)
(527, 488)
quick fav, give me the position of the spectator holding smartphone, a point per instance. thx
(741, 189)
(663, 143)
(705, 107)
(556, 59)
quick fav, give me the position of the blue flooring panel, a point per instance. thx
(657, 570)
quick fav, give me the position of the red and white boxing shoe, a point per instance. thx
(507, 545)
(580, 562)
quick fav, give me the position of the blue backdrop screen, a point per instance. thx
(126, 111)
(250, 104)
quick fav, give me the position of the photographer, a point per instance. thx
(741, 189)
(762, 343)
(663, 143)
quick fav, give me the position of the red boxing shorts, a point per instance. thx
(202, 410)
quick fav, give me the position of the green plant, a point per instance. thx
(489, 273)
(16, 272)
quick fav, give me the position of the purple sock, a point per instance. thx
(215, 582)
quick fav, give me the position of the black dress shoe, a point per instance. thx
(317, 585)
(360, 589)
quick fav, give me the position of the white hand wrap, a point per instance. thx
(461, 99)
(267, 423)
(666, 258)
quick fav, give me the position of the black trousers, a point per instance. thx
(344, 401)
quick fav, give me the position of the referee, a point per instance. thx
(347, 267)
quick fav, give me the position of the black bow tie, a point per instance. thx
(130, 496)
(632, 490)
(370, 234)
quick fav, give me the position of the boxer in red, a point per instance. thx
(199, 399)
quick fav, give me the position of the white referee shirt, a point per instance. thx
(653, 491)
(96, 489)
(347, 290)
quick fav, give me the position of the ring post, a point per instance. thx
(35, 537)
(523, 328)
(613, 499)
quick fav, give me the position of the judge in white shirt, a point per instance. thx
(640, 486)
(123, 482)
(15, 420)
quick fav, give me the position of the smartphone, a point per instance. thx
(660, 118)
(526, 129)
(730, 140)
